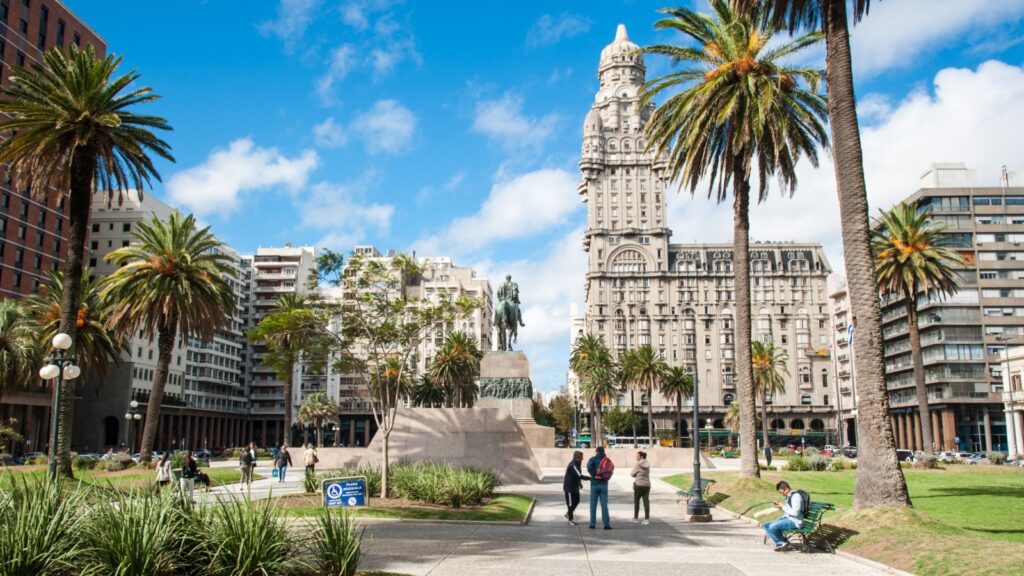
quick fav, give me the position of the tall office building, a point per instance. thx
(679, 298)
(33, 234)
(842, 358)
(962, 336)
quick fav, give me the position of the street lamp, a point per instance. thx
(709, 427)
(129, 416)
(696, 508)
(60, 366)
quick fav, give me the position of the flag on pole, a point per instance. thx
(849, 333)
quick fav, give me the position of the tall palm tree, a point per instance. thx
(69, 130)
(910, 260)
(171, 281)
(741, 109)
(425, 394)
(770, 365)
(677, 383)
(455, 369)
(290, 330)
(19, 346)
(645, 369)
(391, 381)
(317, 410)
(880, 480)
(592, 362)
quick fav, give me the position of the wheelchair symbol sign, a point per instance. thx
(345, 492)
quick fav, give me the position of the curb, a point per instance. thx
(529, 512)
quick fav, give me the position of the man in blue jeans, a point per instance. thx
(598, 488)
(796, 501)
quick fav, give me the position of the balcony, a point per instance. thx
(262, 275)
(266, 410)
(273, 289)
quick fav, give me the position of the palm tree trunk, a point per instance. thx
(924, 411)
(880, 480)
(744, 367)
(167, 333)
(650, 413)
(288, 385)
(83, 173)
(764, 419)
(632, 412)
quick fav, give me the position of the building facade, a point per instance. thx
(962, 336)
(679, 298)
(842, 358)
(1013, 398)
(33, 234)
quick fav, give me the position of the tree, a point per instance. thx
(732, 419)
(19, 346)
(541, 414)
(563, 414)
(455, 369)
(317, 410)
(592, 362)
(769, 367)
(292, 331)
(677, 383)
(69, 130)
(382, 326)
(741, 110)
(644, 368)
(909, 261)
(880, 480)
(171, 282)
(425, 394)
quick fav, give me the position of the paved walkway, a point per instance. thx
(548, 546)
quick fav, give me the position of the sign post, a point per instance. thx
(345, 492)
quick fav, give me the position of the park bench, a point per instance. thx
(705, 487)
(810, 525)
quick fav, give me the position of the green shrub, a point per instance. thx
(133, 535)
(997, 457)
(39, 529)
(81, 463)
(811, 451)
(311, 482)
(260, 453)
(336, 543)
(442, 484)
(40, 460)
(244, 538)
(120, 461)
(839, 464)
(798, 464)
(784, 452)
(6, 459)
(176, 459)
(817, 462)
(926, 462)
(372, 476)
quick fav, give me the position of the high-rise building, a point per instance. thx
(962, 336)
(677, 298)
(842, 358)
(33, 234)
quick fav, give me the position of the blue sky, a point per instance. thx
(455, 131)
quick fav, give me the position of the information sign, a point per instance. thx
(345, 492)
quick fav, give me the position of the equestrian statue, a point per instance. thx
(507, 315)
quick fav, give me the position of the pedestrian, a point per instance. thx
(310, 459)
(572, 484)
(163, 471)
(768, 454)
(284, 460)
(641, 487)
(794, 509)
(246, 462)
(600, 469)
(189, 471)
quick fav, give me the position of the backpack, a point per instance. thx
(805, 502)
(605, 469)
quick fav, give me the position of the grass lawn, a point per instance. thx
(125, 480)
(965, 520)
(503, 507)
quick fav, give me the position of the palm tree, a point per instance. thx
(910, 260)
(170, 281)
(391, 382)
(592, 362)
(645, 368)
(732, 419)
(69, 130)
(741, 106)
(880, 480)
(770, 364)
(677, 383)
(290, 330)
(455, 369)
(19, 346)
(317, 410)
(425, 394)
(600, 385)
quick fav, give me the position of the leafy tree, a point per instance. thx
(591, 360)
(880, 480)
(456, 368)
(425, 394)
(68, 130)
(677, 383)
(620, 422)
(541, 414)
(19, 346)
(741, 109)
(317, 410)
(770, 365)
(562, 413)
(171, 281)
(8, 434)
(382, 327)
(910, 260)
(644, 368)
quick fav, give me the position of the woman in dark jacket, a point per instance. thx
(189, 471)
(572, 484)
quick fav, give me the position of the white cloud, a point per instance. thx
(519, 207)
(971, 116)
(550, 29)
(386, 127)
(343, 60)
(503, 121)
(293, 17)
(339, 209)
(457, 179)
(330, 134)
(217, 185)
(873, 107)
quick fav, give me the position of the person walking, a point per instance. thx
(189, 471)
(600, 469)
(283, 461)
(794, 508)
(641, 487)
(310, 459)
(246, 462)
(163, 471)
(572, 484)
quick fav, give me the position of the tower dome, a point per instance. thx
(592, 124)
(621, 50)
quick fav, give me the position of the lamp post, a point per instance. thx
(697, 509)
(60, 366)
(128, 417)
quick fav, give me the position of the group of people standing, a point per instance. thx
(599, 471)
(190, 473)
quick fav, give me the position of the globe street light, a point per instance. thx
(696, 508)
(60, 366)
(129, 416)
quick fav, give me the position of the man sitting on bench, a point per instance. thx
(794, 509)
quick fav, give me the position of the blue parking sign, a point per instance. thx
(345, 492)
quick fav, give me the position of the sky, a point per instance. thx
(454, 128)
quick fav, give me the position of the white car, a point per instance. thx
(976, 459)
(946, 457)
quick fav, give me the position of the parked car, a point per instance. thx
(202, 455)
(948, 457)
(904, 456)
(976, 459)
(850, 451)
(560, 441)
(962, 456)
(1018, 461)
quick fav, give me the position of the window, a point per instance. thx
(127, 227)
(805, 399)
(77, 39)
(23, 26)
(60, 32)
(5, 9)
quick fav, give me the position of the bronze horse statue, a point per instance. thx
(507, 315)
